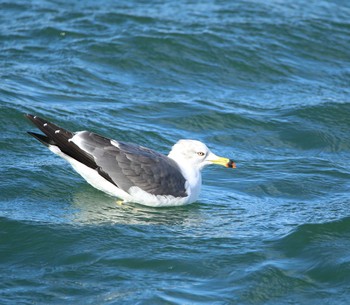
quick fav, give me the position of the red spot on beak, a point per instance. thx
(231, 164)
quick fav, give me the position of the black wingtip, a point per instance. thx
(28, 115)
(39, 122)
(43, 139)
(33, 118)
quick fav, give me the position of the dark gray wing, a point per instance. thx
(130, 165)
(125, 165)
(122, 164)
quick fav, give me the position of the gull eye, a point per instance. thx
(200, 153)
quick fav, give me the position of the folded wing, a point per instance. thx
(123, 164)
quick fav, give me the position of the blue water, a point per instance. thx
(265, 83)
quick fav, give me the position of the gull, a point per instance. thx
(131, 172)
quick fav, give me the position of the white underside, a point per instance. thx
(134, 194)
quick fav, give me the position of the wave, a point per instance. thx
(318, 251)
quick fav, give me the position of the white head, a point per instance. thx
(196, 154)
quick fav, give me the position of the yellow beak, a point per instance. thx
(224, 162)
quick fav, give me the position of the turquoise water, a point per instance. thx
(265, 83)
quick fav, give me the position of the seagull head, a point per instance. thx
(197, 154)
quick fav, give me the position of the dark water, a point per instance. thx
(263, 82)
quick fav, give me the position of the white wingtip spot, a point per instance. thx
(57, 131)
(115, 143)
(35, 117)
(45, 124)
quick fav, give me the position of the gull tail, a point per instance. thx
(54, 135)
(43, 139)
(61, 138)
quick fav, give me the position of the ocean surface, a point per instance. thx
(266, 83)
